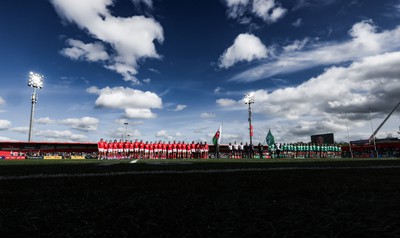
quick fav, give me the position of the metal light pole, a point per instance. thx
(126, 128)
(35, 81)
(249, 99)
(348, 136)
(372, 129)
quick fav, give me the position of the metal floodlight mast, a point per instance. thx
(126, 128)
(249, 99)
(35, 81)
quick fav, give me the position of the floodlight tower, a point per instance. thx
(249, 99)
(126, 128)
(348, 136)
(35, 81)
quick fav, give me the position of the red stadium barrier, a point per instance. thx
(14, 157)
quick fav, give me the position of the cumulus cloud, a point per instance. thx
(136, 103)
(83, 124)
(97, 20)
(5, 124)
(164, 134)
(207, 115)
(226, 102)
(246, 47)
(321, 102)
(45, 121)
(179, 107)
(54, 135)
(81, 51)
(143, 113)
(365, 41)
(269, 11)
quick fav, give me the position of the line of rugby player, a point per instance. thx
(151, 150)
(286, 150)
(305, 150)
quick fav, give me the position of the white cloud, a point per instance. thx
(20, 129)
(136, 103)
(95, 18)
(81, 51)
(148, 3)
(2, 101)
(319, 103)
(268, 10)
(206, 115)
(164, 134)
(236, 8)
(93, 90)
(298, 22)
(44, 120)
(54, 135)
(147, 80)
(142, 113)
(83, 124)
(365, 41)
(179, 107)
(226, 102)
(3, 138)
(296, 45)
(246, 47)
(5, 124)
(217, 90)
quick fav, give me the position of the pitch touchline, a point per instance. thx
(202, 171)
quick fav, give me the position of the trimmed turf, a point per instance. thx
(283, 203)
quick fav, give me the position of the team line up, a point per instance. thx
(151, 150)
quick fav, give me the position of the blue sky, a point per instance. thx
(176, 70)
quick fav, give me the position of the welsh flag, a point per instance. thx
(270, 138)
(217, 137)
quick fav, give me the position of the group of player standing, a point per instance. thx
(286, 150)
(151, 150)
(305, 150)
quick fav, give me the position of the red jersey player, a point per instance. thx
(100, 147)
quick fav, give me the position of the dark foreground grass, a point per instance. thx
(349, 202)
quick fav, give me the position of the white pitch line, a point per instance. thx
(196, 171)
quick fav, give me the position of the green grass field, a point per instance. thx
(272, 198)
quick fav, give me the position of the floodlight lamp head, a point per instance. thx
(35, 80)
(249, 98)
